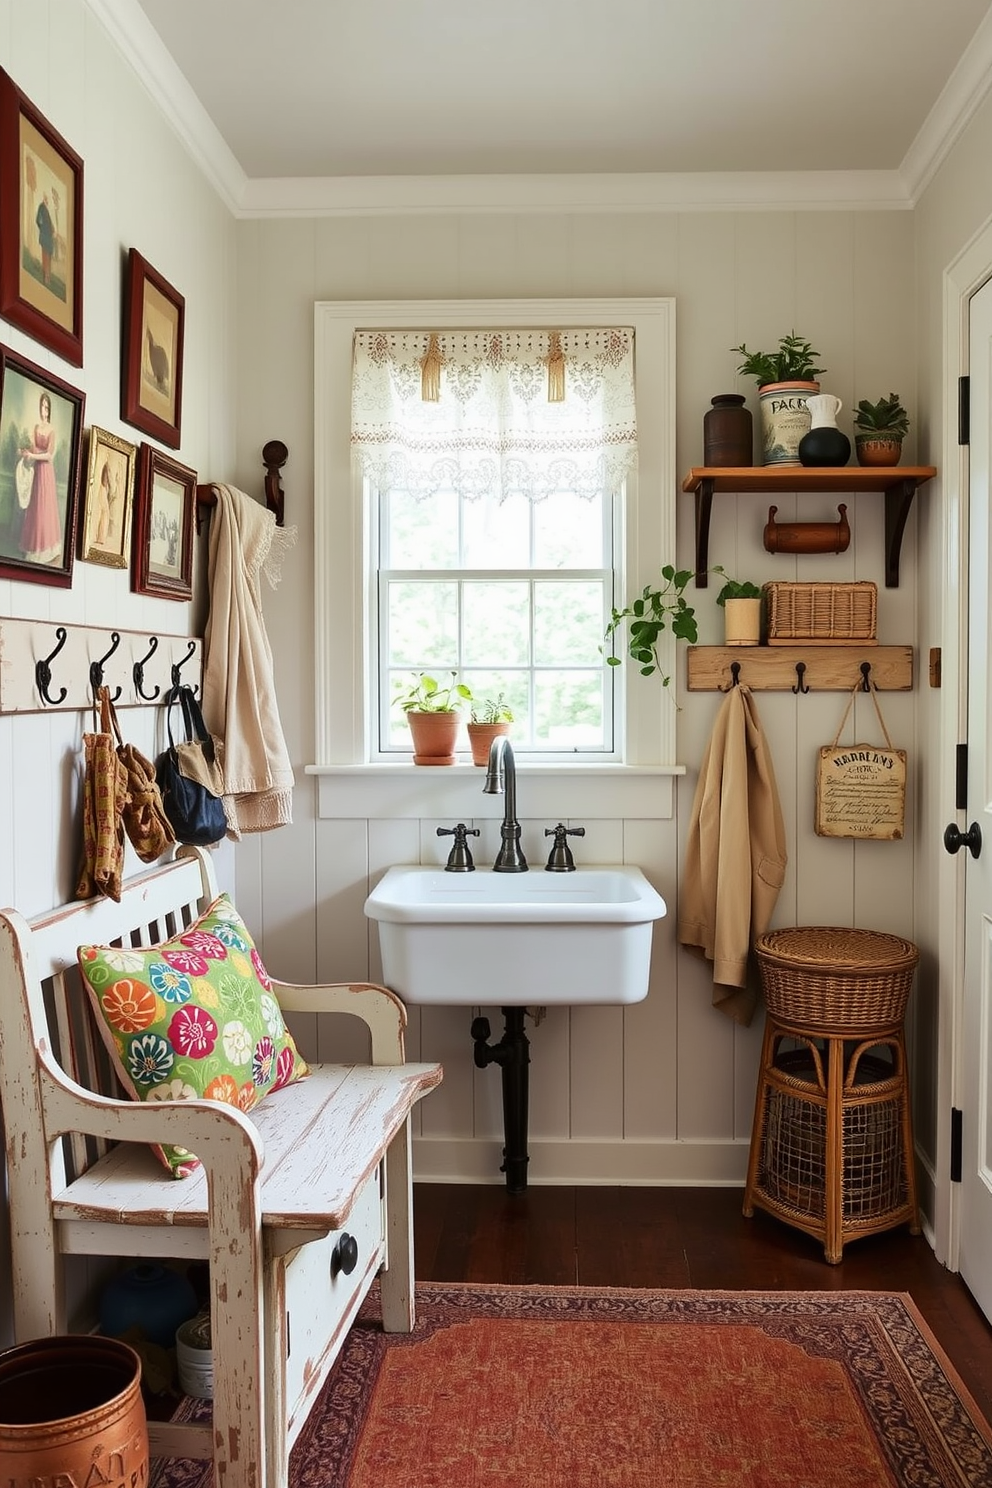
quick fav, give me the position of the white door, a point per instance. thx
(975, 1256)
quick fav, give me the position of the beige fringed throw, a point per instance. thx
(239, 698)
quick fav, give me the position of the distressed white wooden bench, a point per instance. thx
(280, 1197)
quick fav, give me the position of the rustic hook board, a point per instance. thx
(46, 667)
(793, 669)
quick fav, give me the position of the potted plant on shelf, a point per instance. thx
(432, 709)
(879, 430)
(654, 610)
(741, 603)
(489, 718)
(785, 378)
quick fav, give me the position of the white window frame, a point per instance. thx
(343, 552)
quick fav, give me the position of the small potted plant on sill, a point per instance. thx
(879, 430)
(741, 604)
(654, 610)
(785, 378)
(432, 709)
(489, 718)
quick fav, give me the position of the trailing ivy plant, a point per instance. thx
(654, 610)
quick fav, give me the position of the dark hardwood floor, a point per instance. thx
(681, 1237)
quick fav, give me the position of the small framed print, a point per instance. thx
(108, 500)
(41, 432)
(163, 542)
(152, 378)
(41, 227)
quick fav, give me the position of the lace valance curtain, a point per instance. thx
(470, 410)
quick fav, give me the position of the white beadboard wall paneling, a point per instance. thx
(550, 1072)
(596, 1034)
(455, 791)
(444, 1037)
(650, 1069)
(342, 877)
(682, 1164)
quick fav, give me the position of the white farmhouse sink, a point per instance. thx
(515, 939)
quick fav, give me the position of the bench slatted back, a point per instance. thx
(153, 907)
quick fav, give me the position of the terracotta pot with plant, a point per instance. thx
(490, 717)
(432, 709)
(879, 430)
(785, 378)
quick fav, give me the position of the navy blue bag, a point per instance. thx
(195, 811)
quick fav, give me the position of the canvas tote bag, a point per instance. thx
(861, 788)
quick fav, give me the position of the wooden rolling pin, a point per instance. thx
(807, 537)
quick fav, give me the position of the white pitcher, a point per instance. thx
(823, 410)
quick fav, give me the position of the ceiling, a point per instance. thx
(413, 88)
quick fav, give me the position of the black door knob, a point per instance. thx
(954, 839)
(344, 1256)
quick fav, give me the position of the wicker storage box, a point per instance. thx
(821, 614)
(823, 977)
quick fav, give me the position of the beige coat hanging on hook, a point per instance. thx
(861, 788)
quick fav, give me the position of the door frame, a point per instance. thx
(966, 274)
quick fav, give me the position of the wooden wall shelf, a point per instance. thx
(897, 483)
(792, 668)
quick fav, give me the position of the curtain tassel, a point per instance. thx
(556, 369)
(430, 372)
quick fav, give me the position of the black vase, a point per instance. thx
(826, 445)
(727, 433)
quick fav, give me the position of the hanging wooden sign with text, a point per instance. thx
(861, 788)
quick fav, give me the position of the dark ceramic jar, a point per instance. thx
(727, 432)
(148, 1296)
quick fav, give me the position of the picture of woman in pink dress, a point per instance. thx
(41, 533)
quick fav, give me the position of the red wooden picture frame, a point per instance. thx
(152, 372)
(41, 227)
(163, 527)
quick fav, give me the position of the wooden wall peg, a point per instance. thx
(807, 537)
(274, 454)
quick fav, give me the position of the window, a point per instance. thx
(514, 593)
(494, 461)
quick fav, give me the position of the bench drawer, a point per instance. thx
(321, 1299)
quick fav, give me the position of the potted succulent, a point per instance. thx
(654, 610)
(785, 378)
(489, 718)
(741, 604)
(879, 430)
(432, 708)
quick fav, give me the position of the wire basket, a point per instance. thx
(829, 977)
(821, 613)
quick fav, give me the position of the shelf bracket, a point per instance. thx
(898, 500)
(704, 506)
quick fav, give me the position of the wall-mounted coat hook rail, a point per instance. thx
(46, 666)
(43, 670)
(274, 456)
(96, 667)
(792, 669)
(138, 673)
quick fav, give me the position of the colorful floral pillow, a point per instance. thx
(192, 1019)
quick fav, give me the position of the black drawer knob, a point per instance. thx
(344, 1256)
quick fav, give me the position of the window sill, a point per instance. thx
(405, 790)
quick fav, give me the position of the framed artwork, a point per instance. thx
(152, 378)
(163, 541)
(107, 500)
(41, 227)
(41, 434)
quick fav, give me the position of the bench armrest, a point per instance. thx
(378, 1007)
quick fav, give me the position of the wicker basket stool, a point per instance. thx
(832, 1140)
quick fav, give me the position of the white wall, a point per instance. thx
(140, 190)
(663, 1090)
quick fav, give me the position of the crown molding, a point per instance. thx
(352, 196)
(965, 90)
(141, 46)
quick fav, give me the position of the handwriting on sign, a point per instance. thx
(861, 792)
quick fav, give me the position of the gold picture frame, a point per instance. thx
(108, 500)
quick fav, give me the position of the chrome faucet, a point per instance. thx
(502, 776)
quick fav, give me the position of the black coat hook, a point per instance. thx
(865, 676)
(43, 670)
(735, 675)
(800, 686)
(177, 667)
(96, 667)
(139, 673)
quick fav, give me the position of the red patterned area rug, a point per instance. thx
(526, 1387)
